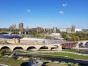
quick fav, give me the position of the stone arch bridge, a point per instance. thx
(57, 46)
(76, 44)
(12, 47)
(82, 44)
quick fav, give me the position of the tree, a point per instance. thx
(75, 38)
(63, 34)
(33, 32)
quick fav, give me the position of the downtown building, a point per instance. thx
(69, 30)
(13, 27)
(73, 29)
(54, 29)
(20, 26)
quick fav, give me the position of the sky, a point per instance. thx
(44, 13)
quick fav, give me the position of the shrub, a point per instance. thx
(2, 52)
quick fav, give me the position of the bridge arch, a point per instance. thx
(54, 47)
(80, 44)
(43, 48)
(86, 44)
(31, 47)
(18, 48)
(6, 48)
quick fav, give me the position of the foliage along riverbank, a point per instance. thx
(10, 61)
(14, 62)
(45, 55)
(60, 55)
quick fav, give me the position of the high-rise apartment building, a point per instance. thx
(20, 26)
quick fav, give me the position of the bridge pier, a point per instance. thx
(37, 48)
(59, 48)
(49, 48)
(12, 49)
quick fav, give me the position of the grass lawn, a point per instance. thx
(60, 64)
(68, 55)
(70, 50)
(55, 55)
(55, 64)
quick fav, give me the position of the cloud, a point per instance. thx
(61, 12)
(64, 4)
(28, 10)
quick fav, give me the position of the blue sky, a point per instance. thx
(44, 13)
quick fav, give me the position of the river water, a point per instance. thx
(80, 62)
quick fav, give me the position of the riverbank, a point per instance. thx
(54, 54)
(10, 61)
(43, 62)
(48, 55)
(59, 64)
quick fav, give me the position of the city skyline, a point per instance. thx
(45, 13)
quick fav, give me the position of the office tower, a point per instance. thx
(73, 28)
(54, 29)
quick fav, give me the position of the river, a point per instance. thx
(81, 63)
